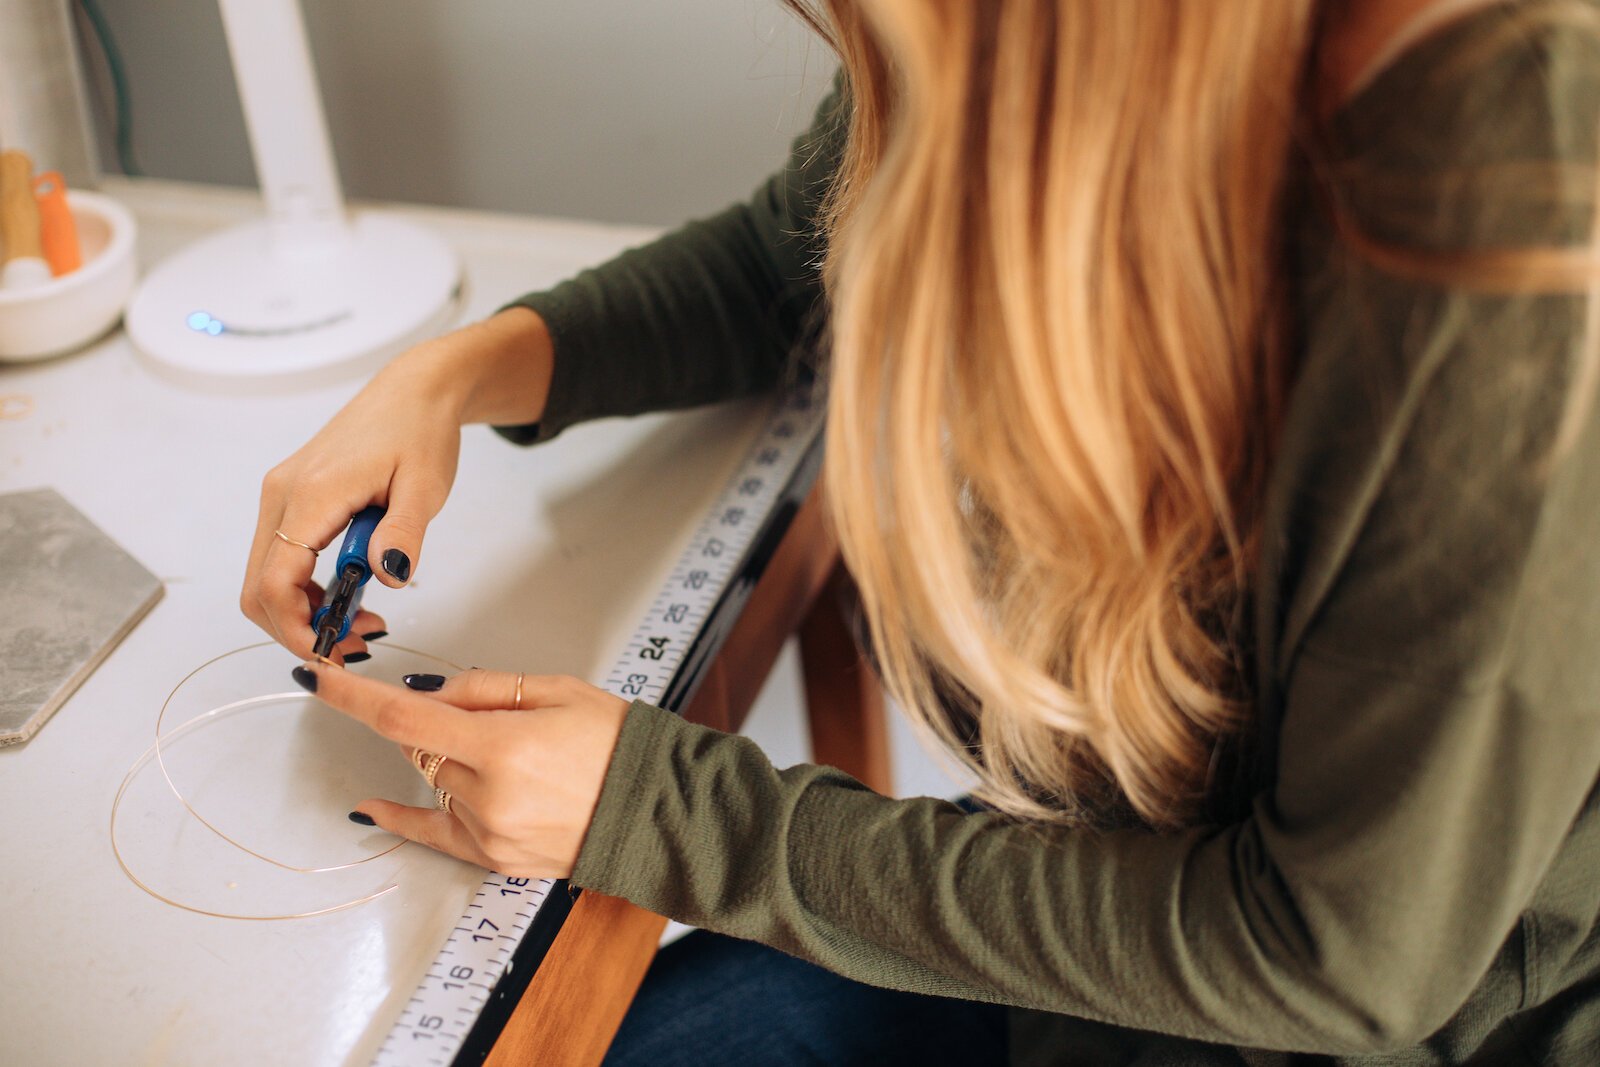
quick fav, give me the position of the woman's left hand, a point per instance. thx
(524, 783)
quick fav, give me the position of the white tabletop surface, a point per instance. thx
(543, 561)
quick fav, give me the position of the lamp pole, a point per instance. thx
(283, 115)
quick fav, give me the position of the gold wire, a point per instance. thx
(201, 819)
(144, 758)
(228, 709)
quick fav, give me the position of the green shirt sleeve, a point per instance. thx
(1432, 618)
(711, 311)
(1419, 799)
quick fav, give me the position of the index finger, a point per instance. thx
(395, 712)
(277, 578)
(286, 569)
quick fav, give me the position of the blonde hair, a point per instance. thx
(1058, 364)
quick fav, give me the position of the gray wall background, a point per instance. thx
(641, 111)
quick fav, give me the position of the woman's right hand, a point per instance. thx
(395, 445)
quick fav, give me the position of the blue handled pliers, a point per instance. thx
(332, 621)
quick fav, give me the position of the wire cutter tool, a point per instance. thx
(332, 621)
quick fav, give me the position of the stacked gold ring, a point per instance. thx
(431, 771)
(428, 764)
(516, 702)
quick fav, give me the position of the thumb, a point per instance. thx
(396, 544)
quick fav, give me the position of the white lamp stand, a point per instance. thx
(306, 295)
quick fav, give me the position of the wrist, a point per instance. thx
(496, 370)
(517, 358)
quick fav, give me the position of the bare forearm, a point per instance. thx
(496, 370)
(515, 361)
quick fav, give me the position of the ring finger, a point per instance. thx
(453, 776)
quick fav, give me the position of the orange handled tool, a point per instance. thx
(58, 233)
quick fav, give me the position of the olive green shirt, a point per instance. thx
(1412, 872)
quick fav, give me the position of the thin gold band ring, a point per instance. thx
(286, 539)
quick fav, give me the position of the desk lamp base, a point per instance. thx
(240, 309)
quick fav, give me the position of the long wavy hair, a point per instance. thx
(1058, 362)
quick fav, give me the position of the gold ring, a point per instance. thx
(419, 760)
(442, 800)
(516, 702)
(286, 539)
(431, 771)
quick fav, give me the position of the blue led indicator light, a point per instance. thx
(202, 322)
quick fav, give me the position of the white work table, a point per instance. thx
(543, 561)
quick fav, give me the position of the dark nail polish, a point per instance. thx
(398, 564)
(357, 657)
(425, 683)
(375, 635)
(306, 679)
(363, 818)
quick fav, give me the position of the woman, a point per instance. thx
(1211, 438)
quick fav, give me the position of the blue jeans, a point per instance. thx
(710, 999)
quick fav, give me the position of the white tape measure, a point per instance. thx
(480, 972)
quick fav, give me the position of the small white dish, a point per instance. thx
(66, 313)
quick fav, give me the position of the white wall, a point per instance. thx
(646, 111)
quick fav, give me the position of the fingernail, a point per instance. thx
(363, 818)
(375, 635)
(398, 564)
(306, 678)
(358, 657)
(425, 683)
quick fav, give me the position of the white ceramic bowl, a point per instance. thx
(68, 312)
